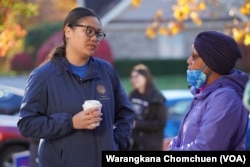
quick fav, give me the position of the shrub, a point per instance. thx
(48, 46)
(158, 67)
(21, 62)
(104, 51)
(37, 35)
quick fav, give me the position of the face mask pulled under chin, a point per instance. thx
(196, 78)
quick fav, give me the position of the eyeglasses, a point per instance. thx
(194, 57)
(90, 32)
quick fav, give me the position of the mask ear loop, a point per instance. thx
(210, 72)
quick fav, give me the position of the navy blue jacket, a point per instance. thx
(54, 94)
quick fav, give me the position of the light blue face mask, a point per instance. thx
(196, 78)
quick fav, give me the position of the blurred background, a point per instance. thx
(156, 33)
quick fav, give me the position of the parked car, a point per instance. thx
(10, 99)
(178, 103)
(11, 141)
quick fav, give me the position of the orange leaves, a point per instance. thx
(175, 28)
(182, 10)
(195, 18)
(163, 30)
(19, 31)
(158, 28)
(158, 14)
(150, 32)
(240, 32)
(186, 9)
(136, 3)
(247, 39)
(241, 36)
(172, 28)
(201, 6)
(10, 30)
(181, 13)
(8, 37)
(245, 9)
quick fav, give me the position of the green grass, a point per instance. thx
(161, 82)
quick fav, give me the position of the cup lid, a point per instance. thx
(92, 102)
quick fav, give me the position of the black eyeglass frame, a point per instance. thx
(98, 34)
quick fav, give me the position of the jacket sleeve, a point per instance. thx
(157, 122)
(34, 121)
(124, 115)
(221, 119)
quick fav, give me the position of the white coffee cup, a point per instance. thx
(92, 104)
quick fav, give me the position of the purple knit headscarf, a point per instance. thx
(219, 51)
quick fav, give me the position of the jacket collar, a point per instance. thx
(218, 83)
(93, 70)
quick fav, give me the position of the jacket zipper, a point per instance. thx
(181, 130)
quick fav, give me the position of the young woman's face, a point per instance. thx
(138, 81)
(77, 39)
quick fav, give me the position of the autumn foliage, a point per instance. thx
(191, 9)
(11, 30)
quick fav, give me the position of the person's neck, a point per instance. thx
(141, 90)
(214, 76)
(75, 59)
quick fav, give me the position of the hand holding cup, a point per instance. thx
(90, 117)
(90, 104)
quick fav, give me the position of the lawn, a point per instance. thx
(162, 82)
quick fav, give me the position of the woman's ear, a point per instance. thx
(67, 32)
(208, 70)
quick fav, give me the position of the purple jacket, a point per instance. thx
(217, 119)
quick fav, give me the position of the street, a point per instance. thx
(15, 81)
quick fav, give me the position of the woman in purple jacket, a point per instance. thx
(217, 119)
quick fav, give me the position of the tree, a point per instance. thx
(191, 9)
(44, 25)
(50, 11)
(16, 17)
(11, 31)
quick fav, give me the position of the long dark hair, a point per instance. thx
(73, 17)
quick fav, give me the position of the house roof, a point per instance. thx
(145, 12)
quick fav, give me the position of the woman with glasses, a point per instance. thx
(52, 105)
(150, 111)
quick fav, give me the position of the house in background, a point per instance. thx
(125, 28)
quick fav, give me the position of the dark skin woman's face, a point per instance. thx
(195, 62)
